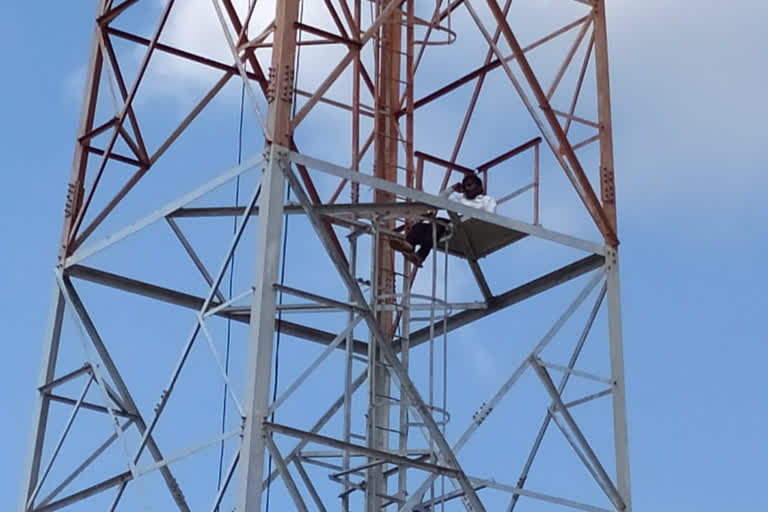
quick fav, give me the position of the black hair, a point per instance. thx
(474, 181)
(472, 178)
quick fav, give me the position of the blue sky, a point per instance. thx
(691, 171)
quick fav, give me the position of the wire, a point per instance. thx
(231, 279)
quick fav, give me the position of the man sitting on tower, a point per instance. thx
(468, 192)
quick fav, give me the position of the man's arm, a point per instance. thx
(489, 204)
(455, 188)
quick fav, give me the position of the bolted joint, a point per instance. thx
(280, 84)
(70, 201)
(482, 413)
(286, 89)
(607, 185)
(271, 85)
(283, 160)
(280, 154)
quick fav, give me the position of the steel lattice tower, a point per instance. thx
(393, 100)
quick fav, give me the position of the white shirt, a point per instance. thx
(481, 202)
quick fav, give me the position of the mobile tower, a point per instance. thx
(393, 100)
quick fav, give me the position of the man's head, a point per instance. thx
(472, 186)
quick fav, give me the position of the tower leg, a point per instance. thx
(261, 335)
(42, 403)
(617, 375)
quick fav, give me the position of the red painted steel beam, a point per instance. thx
(473, 103)
(110, 52)
(328, 35)
(584, 190)
(178, 52)
(97, 131)
(443, 163)
(116, 157)
(121, 118)
(336, 19)
(144, 168)
(509, 154)
(113, 13)
(490, 66)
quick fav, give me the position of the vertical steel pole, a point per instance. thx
(261, 336)
(378, 408)
(80, 157)
(53, 332)
(536, 185)
(263, 310)
(356, 67)
(42, 403)
(387, 101)
(621, 438)
(410, 72)
(405, 342)
(349, 355)
(607, 188)
(608, 197)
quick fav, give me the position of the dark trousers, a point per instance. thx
(421, 235)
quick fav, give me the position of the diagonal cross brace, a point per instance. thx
(565, 152)
(560, 407)
(488, 407)
(78, 309)
(560, 388)
(444, 450)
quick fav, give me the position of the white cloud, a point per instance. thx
(74, 82)
(194, 26)
(686, 82)
(687, 92)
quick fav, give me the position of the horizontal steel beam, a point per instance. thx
(90, 406)
(294, 209)
(86, 368)
(509, 154)
(392, 458)
(443, 203)
(192, 302)
(511, 297)
(180, 53)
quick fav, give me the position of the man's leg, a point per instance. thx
(418, 234)
(426, 236)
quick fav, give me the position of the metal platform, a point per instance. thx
(484, 238)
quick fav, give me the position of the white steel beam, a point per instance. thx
(83, 252)
(487, 407)
(290, 484)
(42, 403)
(467, 212)
(261, 334)
(83, 318)
(560, 408)
(621, 438)
(445, 454)
(560, 388)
